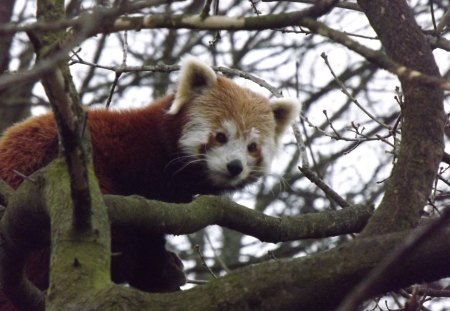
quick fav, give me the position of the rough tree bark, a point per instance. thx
(423, 115)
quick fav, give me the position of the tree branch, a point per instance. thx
(330, 193)
(422, 147)
(314, 283)
(161, 217)
(70, 117)
(5, 193)
(39, 205)
(19, 236)
(339, 4)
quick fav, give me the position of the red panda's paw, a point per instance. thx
(161, 272)
(142, 261)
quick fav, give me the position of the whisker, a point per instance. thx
(187, 164)
(179, 159)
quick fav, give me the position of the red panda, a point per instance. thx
(210, 137)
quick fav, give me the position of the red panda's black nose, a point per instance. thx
(235, 167)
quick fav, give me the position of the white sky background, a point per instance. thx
(351, 171)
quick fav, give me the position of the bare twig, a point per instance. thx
(255, 9)
(433, 19)
(444, 22)
(206, 9)
(113, 87)
(427, 291)
(217, 256)
(171, 68)
(340, 4)
(216, 37)
(331, 125)
(348, 94)
(330, 193)
(202, 258)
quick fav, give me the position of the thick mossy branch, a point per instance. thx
(162, 217)
(24, 227)
(5, 193)
(314, 283)
(80, 261)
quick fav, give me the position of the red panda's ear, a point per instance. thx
(194, 77)
(285, 110)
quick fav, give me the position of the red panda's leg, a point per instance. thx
(143, 261)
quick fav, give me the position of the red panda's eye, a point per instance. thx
(221, 138)
(252, 147)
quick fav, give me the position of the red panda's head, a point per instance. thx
(232, 129)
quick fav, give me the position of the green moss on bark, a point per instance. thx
(80, 262)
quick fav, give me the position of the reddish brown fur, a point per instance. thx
(121, 163)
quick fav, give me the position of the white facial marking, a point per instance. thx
(195, 134)
(230, 129)
(268, 149)
(254, 135)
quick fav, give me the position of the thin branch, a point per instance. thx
(83, 27)
(444, 22)
(330, 193)
(171, 68)
(202, 259)
(113, 87)
(278, 21)
(348, 94)
(433, 19)
(340, 4)
(63, 23)
(206, 9)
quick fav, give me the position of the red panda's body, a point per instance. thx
(118, 138)
(211, 136)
